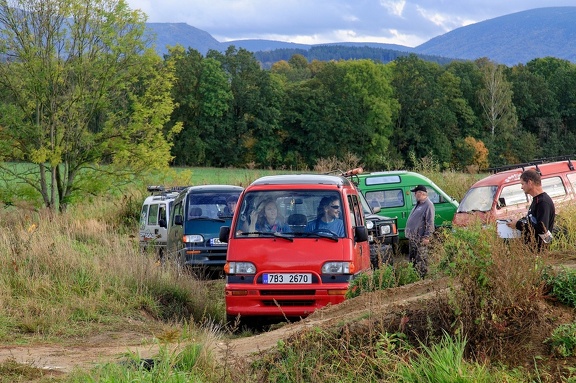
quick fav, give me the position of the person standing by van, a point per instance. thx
(419, 228)
(536, 227)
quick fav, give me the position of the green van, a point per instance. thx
(391, 192)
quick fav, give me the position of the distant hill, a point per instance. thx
(511, 39)
(170, 34)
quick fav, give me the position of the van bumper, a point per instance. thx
(279, 301)
(198, 257)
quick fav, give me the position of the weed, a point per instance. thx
(385, 277)
(562, 285)
(563, 340)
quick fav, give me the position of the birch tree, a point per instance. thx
(496, 99)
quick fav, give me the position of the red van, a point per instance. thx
(499, 196)
(285, 258)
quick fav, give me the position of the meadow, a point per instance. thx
(65, 278)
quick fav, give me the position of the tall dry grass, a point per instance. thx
(64, 275)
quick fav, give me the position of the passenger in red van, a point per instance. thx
(265, 219)
(536, 227)
(419, 228)
(328, 217)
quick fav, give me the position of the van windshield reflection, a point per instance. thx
(478, 199)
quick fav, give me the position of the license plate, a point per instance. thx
(287, 278)
(216, 242)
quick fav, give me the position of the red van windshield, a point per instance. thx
(291, 211)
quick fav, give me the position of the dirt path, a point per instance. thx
(112, 347)
(85, 354)
(376, 304)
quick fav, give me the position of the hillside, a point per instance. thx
(510, 39)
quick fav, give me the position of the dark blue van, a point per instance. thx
(197, 215)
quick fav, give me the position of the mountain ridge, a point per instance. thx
(510, 39)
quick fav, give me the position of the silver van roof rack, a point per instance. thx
(162, 190)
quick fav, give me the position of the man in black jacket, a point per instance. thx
(538, 224)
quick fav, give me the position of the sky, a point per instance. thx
(403, 22)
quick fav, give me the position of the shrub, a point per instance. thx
(563, 340)
(497, 284)
(386, 276)
(562, 286)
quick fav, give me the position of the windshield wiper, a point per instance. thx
(282, 235)
(321, 234)
(268, 234)
(203, 218)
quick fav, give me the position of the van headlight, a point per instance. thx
(193, 238)
(240, 268)
(336, 268)
(385, 229)
(369, 224)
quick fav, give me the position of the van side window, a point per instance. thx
(553, 186)
(433, 196)
(513, 195)
(355, 217)
(143, 217)
(572, 179)
(162, 212)
(176, 211)
(153, 215)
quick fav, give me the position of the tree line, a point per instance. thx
(463, 114)
(85, 99)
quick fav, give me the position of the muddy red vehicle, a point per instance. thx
(499, 196)
(295, 244)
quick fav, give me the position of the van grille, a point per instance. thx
(287, 292)
(285, 303)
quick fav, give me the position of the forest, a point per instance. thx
(464, 114)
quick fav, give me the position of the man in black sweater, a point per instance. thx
(538, 224)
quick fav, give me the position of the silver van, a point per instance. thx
(154, 217)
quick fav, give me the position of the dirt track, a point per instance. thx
(116, 346)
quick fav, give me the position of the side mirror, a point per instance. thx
(224, 234)
(162, 223)
(178, 220)
(360, 234)
(501, 203)
(376, 209)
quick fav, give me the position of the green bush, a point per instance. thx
(563, 340)
(385, 277)
(563, 286)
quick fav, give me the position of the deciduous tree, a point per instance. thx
(88, 101)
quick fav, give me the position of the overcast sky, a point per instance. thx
(403, 22)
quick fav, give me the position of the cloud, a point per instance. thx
(394, 7)
(405, 22)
